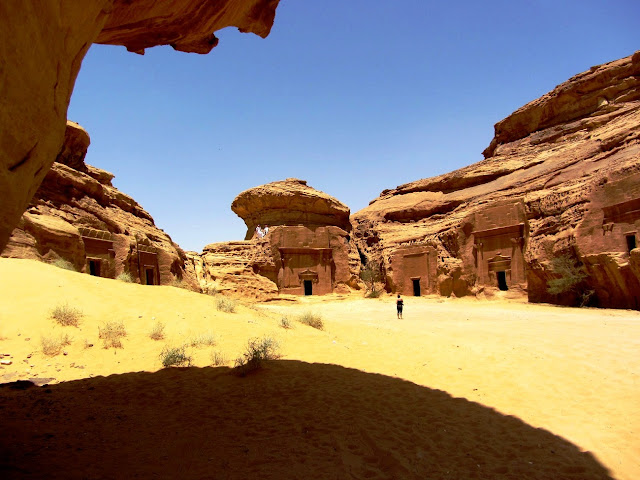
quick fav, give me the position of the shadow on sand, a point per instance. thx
(290, 420)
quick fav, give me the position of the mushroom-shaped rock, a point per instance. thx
(289, 202)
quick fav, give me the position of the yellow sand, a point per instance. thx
(542, 386)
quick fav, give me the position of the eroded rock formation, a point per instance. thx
(297, 242)
(77, 215)
(559, 182)
(41, 49)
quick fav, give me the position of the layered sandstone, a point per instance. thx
(306, 249)
(501, 222)
(42, 47)
(289, 202)
(78, 216)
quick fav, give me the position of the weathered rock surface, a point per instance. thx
(77, 215)
(307, 249)
(41, 49)
(289, 202)
(542, 193)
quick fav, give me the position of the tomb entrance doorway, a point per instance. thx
(502, 280)
(94, 267)
(308, 287)
(150, 276)
(416, 287)
(631, 242)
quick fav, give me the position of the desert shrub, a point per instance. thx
(226, 305)
(285, 323)
(258, 351)
(64, 264)
(157, 331)
(373, 293)
(312, 319)
(570, 275)
(52, 346)
(206, 338)
(174, 357)
(178, 283)
(125, 277)
(371, 274)
(66, 315)
(112, 333)
(218, 358)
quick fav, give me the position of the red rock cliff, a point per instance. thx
(505, 222)
(42, 44)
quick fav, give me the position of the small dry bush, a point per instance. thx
(64, 264)
(258, 351)
(66, 315)
(178, 283)
(175, 357)
(218, 358)
(111, 334)
(312, 319)
(226, 305)
(206, 338)
(285, 323)
(52, 346)
(373, 293)
(157, 331)
(125, 277)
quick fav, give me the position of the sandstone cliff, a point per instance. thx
(77, 215)
(41, 49)
(555, 171)
(306, 249)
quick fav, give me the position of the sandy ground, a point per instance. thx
(457, 389)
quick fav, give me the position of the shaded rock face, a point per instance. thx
(307, 249)
(77, 215)
(289, 202)
(42, 47)
(559, 172)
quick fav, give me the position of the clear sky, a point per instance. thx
(354, 96)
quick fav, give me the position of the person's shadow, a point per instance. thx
(291, 420)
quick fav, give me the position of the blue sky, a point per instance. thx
(353, 96)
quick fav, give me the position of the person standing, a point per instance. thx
(399, 305)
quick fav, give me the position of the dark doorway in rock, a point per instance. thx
(631, 242)
(308, 287)
(416, 287)
(149, 276)
(94, 268)
(502, 280)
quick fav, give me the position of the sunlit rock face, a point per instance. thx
(559, 184)
(43, 44)
(78, 216)
(297, 243)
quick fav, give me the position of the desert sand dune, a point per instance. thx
(458, 389)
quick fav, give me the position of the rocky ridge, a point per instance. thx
(42, 48)
(77, 215)
(554, 156)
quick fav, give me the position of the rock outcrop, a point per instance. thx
(289, 202)
(41, 49)
(297, 242)
(555, 171)
(78, 216)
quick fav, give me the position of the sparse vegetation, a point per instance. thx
(218, 358)
(206, 338)
(312, 319)
(175, 357)
(64, 264)
(66, 315)
(571, 280)
(371, 274)
(157, 331)
(125, 277)
(178, 283)
(226, 305)
(285, 323)
(112, 334)
(258, 351)
(52, 346)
